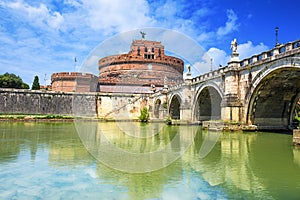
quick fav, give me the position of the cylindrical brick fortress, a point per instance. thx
(145, 66)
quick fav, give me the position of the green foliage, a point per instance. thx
(169, 120)
(144, 116)
(165, 105)
(12, 81)
(35, 84)
(22, 116)
(298, 118)
(297, 110)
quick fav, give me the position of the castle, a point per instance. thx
(144, 69)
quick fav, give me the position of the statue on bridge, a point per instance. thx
(234, 54)
(233, 46)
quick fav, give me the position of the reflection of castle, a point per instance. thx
(143, 69)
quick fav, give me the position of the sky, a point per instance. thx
(40, 37)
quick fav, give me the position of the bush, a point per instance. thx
(144, 117)
(298, 119)
(169, 120)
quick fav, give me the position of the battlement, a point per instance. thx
(74, 81)
(70, 75)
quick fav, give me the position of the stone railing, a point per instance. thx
(278, 52)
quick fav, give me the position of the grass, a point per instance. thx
(20, 116)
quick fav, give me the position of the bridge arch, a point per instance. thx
(207, 103)
(174, 106)
(272, 97)
(157, 106)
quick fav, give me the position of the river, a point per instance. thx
(128, 160)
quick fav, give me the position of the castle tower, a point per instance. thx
(144, 69)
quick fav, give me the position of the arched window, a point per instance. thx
(138, 51)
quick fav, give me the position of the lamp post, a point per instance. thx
(276, 31)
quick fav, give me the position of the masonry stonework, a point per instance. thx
(74, 82)
(144, 68)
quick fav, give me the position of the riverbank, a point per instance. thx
(35, 117)
(227, 126)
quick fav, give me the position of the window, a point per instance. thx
(270, 53)
(138, 51)
(260, 57)
(282, 50)
(149, 56)
(242, 63)
(296, 45)
(152, 50)
(250, 60)
(146, 49)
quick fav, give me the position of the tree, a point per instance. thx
(35, 84)
(8, 80)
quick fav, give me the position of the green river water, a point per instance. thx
(40, 160)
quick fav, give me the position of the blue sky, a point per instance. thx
(39, 37)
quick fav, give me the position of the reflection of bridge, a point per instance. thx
(261, 90)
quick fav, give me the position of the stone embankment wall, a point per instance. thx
(102, 105)
(46, 102)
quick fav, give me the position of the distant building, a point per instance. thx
(43, 87)
(74, 81)
(144, 69)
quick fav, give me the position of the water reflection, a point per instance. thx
(244, 165)
(228, 164)
(14, 138)
(296, 154)
(118, 150)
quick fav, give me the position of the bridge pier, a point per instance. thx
(231, 108)
(231, 105)
(186, 114)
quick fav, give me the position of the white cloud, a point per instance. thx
(39, 16)
(72, 3)
(215, 57)
(210, 61)
(116, 15)
(55, 20)
(230, 25)
(248, 49)
(218, 56)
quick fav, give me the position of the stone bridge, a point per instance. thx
(262, 90)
